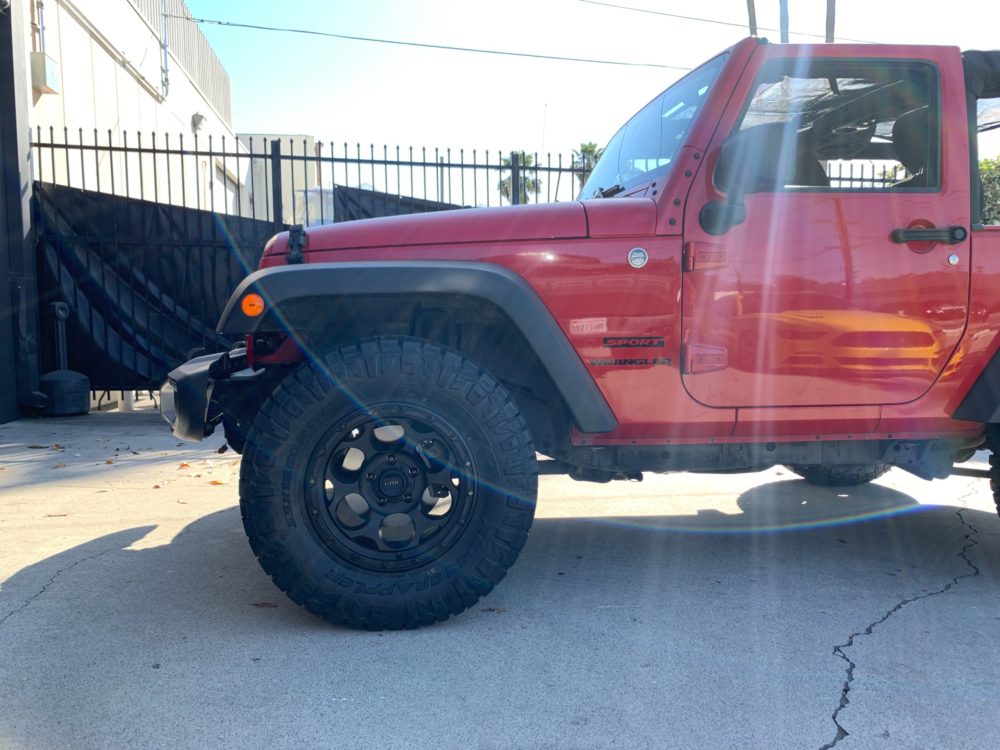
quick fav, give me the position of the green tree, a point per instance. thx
(527, 185)
(584, 160)
(989, 169)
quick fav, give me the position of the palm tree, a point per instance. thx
(526, 185)
(584, 160)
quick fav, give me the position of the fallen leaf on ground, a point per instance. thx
(59, 466)
(265, 605)
(156, 486)
(109, 461)
(184, 465)
(496, 610)
(56, 515)
(57, 447)
(216, 482)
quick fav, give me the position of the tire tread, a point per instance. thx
(306, 388)
(840, 476)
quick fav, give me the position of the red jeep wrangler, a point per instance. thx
(725, 296)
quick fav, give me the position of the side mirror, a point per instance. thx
(755, 160)
(718, 218)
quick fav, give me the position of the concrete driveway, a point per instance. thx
(688, 611)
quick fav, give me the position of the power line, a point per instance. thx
(715, 21)
(311, 32)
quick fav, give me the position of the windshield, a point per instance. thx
(646, 145)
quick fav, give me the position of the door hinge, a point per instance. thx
(699, 358)
(698, 256)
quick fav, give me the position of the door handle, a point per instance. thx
(947, 235)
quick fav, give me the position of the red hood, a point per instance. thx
(548, 221)
(510, 223)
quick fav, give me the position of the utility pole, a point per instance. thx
(752, 13)
(831, 13)
(784, 21)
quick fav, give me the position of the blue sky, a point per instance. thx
(362, 92)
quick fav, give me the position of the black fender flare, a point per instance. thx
(981, 402)
(495, 284)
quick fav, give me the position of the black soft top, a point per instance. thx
(982, 73)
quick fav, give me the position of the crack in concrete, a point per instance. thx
(839, 650)
(52, 580)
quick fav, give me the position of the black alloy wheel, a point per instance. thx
(392, 489)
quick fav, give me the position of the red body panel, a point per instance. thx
(544, 221)
(828, 329)
(812, 301)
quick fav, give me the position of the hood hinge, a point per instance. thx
(298, 242)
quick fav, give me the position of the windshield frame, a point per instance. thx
(608, 164)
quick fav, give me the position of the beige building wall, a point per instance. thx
(114, 85)
(298, 175)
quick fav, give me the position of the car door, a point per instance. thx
(846, 280)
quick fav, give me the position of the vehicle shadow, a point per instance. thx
(208, 573)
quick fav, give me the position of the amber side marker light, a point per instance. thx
(252, 305)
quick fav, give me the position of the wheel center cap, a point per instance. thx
(392, 483)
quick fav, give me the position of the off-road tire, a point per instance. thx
(840, 476)
(995, 476)
(349, 576)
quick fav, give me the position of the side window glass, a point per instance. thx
(843, 125)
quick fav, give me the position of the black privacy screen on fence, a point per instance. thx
(145, 235)
(350, 204)
(145, 282)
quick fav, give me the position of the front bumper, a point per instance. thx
(186, 396)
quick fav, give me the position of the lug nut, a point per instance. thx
(413, 471)
(408, 498)
(392, 459)
(370, 476)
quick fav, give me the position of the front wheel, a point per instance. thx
(389, 485)
(840, 476)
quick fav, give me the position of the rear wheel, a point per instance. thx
(840, 476)
(995, 476)
(390, 485)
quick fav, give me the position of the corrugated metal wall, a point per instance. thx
(190, 47)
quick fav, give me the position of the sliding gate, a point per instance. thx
(145, 282)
